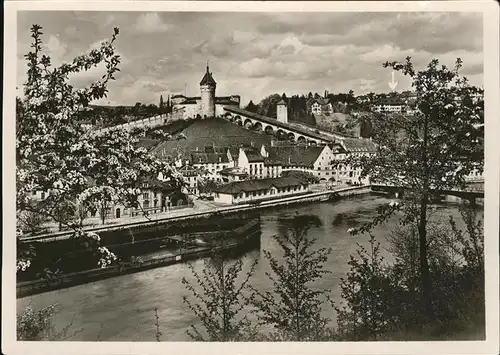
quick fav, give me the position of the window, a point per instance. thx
(145, 195)
(34, 193)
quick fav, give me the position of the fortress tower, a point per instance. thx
(282, 111)
(207, 89)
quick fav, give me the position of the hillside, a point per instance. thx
(210, 132)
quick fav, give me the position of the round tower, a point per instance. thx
(207, 89)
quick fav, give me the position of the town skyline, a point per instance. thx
(256, 54)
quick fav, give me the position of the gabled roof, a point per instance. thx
(208, 79)
(253, 155)
(209, 158)
(354, 145)
(321, 101)
(260, 184)
(281, 102)
(295, 155)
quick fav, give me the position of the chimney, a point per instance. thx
(196, 148)
(282, 112)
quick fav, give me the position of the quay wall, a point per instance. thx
(219, 211)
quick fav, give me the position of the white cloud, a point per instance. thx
(150, 23)
(56, 49)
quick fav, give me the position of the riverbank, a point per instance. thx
(208, 212)
(246, 237)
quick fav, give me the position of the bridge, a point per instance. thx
(475, 189)
(283, 130)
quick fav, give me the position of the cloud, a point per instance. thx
(150, 23)
(57, 50)
(256, 54)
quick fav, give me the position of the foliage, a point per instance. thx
(73, 162)
(251, 107)
(366, 293)
(306, 176)
(206, 186)
(435, 149)
(219, 303)
(36, 325)
(294, 306)
(381, 301)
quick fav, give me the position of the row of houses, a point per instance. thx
(229, 164)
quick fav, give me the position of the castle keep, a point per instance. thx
(207, 104)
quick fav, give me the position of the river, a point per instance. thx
(122, 308)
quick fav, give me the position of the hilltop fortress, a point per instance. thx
(207, 104)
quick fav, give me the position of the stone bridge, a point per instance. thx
(282, 130)
(474, 190)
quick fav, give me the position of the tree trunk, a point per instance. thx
(422, 224)
(424, 264)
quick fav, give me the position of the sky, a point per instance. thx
(255, 54)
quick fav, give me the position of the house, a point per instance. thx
(390, 106)
(320, 106)
(312, 159)
(348, 147)
(251, 161)
(192, 176)
(259, 189)
(213, 161)
(233, 174)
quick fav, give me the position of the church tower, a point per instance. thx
(207, 88)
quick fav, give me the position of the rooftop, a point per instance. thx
(259, 184)
(294, 155)
(208, 79)
(209, 158)
(359, 145)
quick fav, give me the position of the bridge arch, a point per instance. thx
(312, 142)
(248, 123)
(301, 139)
(269, 130)
(281, 135)
(238, 120)
(291, 136)
(257, 126)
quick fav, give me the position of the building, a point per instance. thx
(390, 106)
(212, 160)
(312, 159)
(233, 174)
(251, 161)
(192, 176)
(351, 147)
(259, 189)
(321, 106)
(207, 104)
(282, 111)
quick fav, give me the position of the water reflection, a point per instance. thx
(121, 308)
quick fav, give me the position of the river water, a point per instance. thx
(122, 308)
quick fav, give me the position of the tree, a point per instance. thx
(220, 305)
(160, 106)
(381, 300)
(59, 155)
(431, 151)
(294, 306)
(251, 107)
